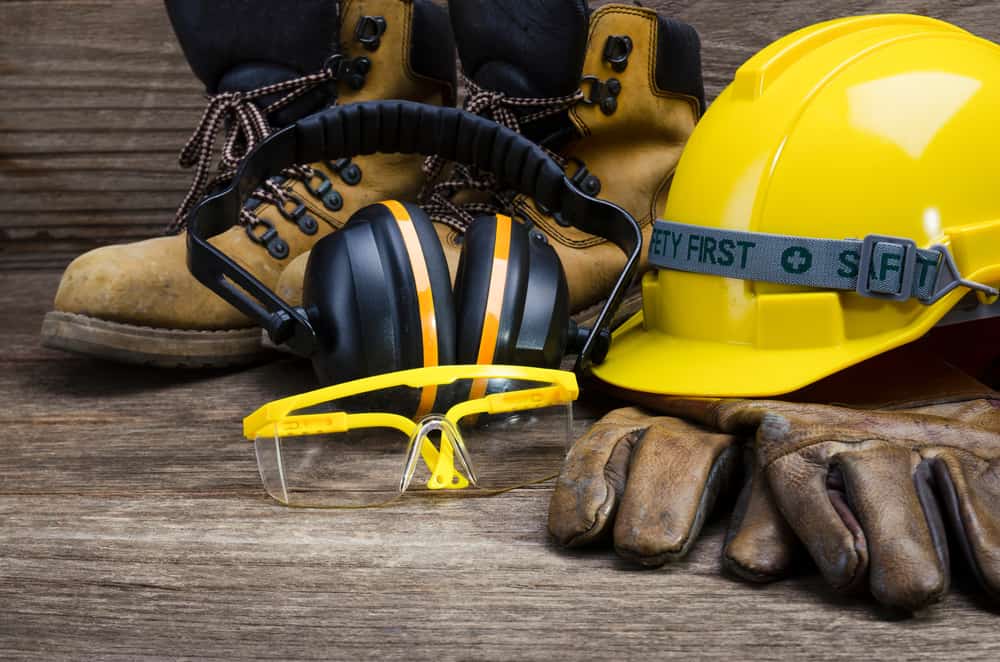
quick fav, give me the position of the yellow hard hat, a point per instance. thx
(838, 200)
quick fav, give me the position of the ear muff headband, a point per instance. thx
(425, 297)
(407, 128)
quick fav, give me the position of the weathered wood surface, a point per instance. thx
(132, 523)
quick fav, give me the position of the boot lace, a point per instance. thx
(246, 125)
(437, 196)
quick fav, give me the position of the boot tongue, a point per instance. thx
(241, 45)
(251, 76)
(523, 48)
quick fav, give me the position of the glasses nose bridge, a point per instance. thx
(450, 433)
(435, 423)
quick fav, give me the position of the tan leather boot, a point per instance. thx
(138, 303)
(643, 88)
(621, 137)
(641, 93)
(519, 60)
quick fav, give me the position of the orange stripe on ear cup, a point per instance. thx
(494, 301)
(425, 297)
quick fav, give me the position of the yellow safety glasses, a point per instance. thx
(366, 442)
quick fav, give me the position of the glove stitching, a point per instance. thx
(850, 438)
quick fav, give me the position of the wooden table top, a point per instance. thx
(132, 520)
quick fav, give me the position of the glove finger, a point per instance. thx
(760, 546)
(970, 493)
(675, 477)
(593, 478)
(819, 516)
(906, 567)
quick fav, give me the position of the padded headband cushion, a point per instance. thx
(361, 283)
(407, 127)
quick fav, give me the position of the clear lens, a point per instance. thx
(351, 469)
(371, 466)
(520, 448)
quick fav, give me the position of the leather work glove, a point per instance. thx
(649, 482)
(870, 493)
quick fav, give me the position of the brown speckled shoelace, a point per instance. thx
(247, 126)
(437, 196)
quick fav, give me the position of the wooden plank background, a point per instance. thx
(132, 523)
(96, 101)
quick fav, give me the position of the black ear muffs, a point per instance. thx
(373, 288)
(379, 298)
(378, 295)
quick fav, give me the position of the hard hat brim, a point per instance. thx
(650, 361)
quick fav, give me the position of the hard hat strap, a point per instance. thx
(882, 267)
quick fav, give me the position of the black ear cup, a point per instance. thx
(543, 336)
(492, 270)
(511, 297)
(378, 295)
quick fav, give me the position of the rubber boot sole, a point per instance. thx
(148, 346)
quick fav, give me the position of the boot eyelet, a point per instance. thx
(591, 186)
(358, 72)
(602, 94)
(308, 225)
(265, 238)
(351, 174)
(335, 65)
(585, 180)
(356, 81)
(361, 65)
(617, 50)
(318, 192)
(354, 72)
(296, 213)
(278, 248)
(369, 31)
(333, 201)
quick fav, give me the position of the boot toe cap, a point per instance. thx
(145, 283)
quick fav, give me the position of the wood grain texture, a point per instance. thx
(133, 524)
(132, 521)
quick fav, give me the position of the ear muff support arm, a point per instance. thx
(407, 128)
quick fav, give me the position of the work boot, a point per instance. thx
(263, 67)
(613, 95)
(522, 66)
(643, 94)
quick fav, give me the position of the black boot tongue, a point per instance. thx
(523, 48)
(246, 77)
(241, 45)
